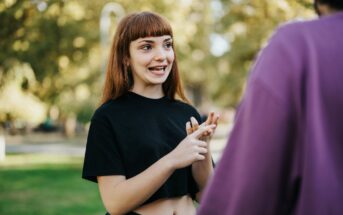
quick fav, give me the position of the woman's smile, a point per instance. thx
(158, 70)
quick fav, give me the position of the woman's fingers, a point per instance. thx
(189, 129)
(215, 119)
(209, 118)
(200, 143)
(200, 157)
(198, 133)
(195, 124)
(202, 150)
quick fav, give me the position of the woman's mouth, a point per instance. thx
(158, 70)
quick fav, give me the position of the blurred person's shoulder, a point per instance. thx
(305, 29)
(291, 31)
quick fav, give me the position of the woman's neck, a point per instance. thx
(153, 92)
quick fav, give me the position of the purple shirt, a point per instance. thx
(285, 153)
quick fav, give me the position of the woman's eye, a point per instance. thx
(146, 47)
(168, 45)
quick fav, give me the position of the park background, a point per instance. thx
(52, 59)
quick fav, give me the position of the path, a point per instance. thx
(59, 145)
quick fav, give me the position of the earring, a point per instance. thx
(128, 68)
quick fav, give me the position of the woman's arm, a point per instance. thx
(121, 195)
(202, 170)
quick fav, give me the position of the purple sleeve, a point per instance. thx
(253, 174)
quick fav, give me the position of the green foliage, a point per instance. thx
(55, 38)
(247, 25)
(59, 41)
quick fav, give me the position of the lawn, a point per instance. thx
(42, 184)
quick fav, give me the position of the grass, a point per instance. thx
(44, 184)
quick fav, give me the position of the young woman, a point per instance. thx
(140, 151)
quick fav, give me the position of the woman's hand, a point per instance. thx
(193, 125)
(190, 149)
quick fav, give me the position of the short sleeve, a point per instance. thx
(102, 156)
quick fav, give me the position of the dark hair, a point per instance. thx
(118, 77)
(335, 4)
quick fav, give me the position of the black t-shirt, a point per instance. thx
(132, 132)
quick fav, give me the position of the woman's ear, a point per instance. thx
(126, 61)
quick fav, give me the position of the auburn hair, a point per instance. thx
(119, 79)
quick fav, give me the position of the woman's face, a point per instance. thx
(151, 60)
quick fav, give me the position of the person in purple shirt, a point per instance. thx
(285, 152)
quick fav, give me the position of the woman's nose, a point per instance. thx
(160, 55)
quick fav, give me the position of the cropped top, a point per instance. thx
(132, 132)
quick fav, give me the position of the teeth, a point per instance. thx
(157, 68)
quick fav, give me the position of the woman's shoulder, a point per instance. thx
(183, 104)
(185, 107)
(109, 109)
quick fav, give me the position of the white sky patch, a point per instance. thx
(217, 9)
(219, 45)
(42, 6)
(237, 1)
(185, 3)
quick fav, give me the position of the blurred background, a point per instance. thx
(52, 59)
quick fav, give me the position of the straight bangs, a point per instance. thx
(147, 24)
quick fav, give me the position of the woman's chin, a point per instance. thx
(156, 81)
(153, 79)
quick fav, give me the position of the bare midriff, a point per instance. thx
(172, 206)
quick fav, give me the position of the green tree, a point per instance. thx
(59, 41)
(247, 25)
(56, 39)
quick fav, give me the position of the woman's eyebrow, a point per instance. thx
(152, 41)
(146, 41)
